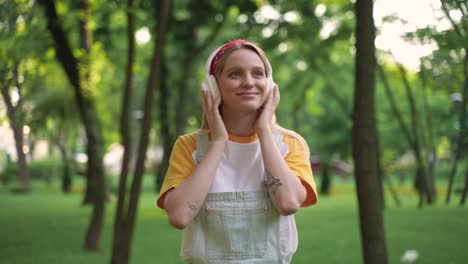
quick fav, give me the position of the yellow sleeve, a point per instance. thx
(181, 165)
(300, 165)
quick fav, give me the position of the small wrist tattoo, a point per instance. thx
(192, 206)
(271, 183)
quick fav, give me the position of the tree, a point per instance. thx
(465, 188)
(462, 34)
(78, 76)
(364, 139)
(412, 135)
(55, 118)
(124, 233)
(118, 242)
(315, 93)
(18, 50)
(422, 181)
(14, 113)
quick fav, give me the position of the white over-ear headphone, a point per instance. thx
(210, 83)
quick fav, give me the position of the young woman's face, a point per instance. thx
(243, 81)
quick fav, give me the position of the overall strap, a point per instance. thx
(202, 146)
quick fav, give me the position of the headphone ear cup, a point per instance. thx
(205, 85)
(210, 84)
(271, 83)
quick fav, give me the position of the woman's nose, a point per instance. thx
(249, 81)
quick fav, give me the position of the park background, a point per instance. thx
(95, 92)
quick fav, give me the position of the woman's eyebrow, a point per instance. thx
(258, 68)
(232, 68)
(255, 68)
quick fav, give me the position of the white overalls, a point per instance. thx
(238, 222)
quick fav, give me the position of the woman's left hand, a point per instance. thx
(266, 112)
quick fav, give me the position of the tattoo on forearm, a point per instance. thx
(271, 183)
(192, 206)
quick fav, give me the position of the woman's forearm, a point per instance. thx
(286, 190)
(183, 202)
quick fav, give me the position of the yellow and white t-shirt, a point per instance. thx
(241, 168)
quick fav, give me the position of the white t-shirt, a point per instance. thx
(241, 169)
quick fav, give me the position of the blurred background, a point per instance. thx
(95, 92)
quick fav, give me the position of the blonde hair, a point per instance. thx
(244, 45)
(204, 129)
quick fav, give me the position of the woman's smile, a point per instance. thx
(248, 94)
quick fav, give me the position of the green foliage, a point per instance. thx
(314, 70)
(43, 170)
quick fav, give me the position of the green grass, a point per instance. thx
(47, 226)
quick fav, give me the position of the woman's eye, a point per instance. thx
(235, 75)
(258, 74)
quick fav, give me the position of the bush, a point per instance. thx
(45, 169)
(9, 173)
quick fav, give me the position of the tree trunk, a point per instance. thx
(16, 124)
(119, 221)
(397, 114)
(461, 132)
(17, 127)
(66, 168)
(392, 190)
(166, 135)
(326, 179)
(431, 156)
(90, 121)
(190, 49)
(422, 181)
(95, 174)
(85, 68)
(465, 187)
(170, 133)
(155, 73)
(364, 139)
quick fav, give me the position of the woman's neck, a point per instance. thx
(240, 124)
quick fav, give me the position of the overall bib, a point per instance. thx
(237, 227)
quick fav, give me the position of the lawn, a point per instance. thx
(47, 226)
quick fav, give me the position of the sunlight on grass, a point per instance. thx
(47, 226)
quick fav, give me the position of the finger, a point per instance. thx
(209, 103)
(274, 97)
(217, 101)
(213, 105)
(270, 96)
(203, 102)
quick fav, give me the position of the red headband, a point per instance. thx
(214, 61)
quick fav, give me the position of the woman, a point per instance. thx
(234, 185)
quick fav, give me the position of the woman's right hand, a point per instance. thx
(210, 108)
